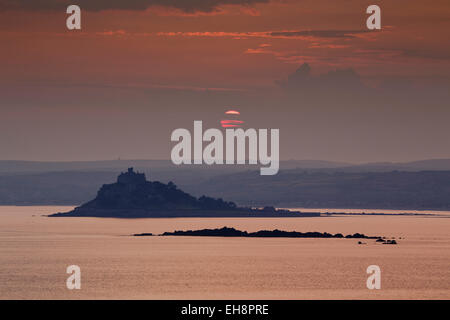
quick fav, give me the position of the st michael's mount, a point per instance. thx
(132, 196)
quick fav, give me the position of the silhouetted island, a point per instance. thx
(384, 241)
(132, 196)
(231, 232)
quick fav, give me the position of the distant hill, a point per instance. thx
(306, 183)
(432, 164)
(14, 167)
(53, 188)
(300, 188)
(9, 167)
(312, 164)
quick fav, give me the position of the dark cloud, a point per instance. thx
(427, 53)
(341, 79)
(99, 5)
(318, 33)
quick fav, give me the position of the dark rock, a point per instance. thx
(390, 242)
(231, 232)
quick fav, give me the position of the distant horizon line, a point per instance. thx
(281, 160)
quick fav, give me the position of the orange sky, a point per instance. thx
(232, 47)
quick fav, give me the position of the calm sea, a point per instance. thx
(35, 251)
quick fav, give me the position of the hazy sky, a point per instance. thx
(139, 69)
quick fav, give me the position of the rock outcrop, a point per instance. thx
(232, 232)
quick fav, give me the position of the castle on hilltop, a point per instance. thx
(132, 196)
(131, 177)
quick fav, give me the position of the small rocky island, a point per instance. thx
(232, 232)
(132, 196)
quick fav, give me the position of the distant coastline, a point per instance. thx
(312, 184)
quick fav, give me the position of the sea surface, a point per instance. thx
(35, 251)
